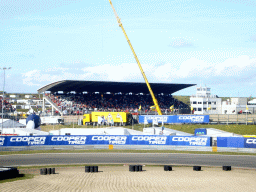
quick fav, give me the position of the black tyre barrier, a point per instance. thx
(91, 169)
(49, 171)
(41, 172)
(44, 171)
(167, 168)
(132, 168)
(87, 169)
(53, 170)
(137, 168)
(197, 168)
(226, 168)
(8, 172)
(95, 170)
(140, 167)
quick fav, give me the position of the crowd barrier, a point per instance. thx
(174, 118)
(105, 140)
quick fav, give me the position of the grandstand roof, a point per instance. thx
(114, 87)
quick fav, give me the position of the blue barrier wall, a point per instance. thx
(236, 142)
(250, 142)
(174, 118)
(104, 140)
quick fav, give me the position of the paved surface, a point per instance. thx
(155, 179)
(245, 161)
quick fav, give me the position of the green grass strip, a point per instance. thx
(23, 177)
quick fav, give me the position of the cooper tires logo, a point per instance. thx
(121, 140)
(2, 141)
(251, 141)
(191, 140)
(192, 118)
(72, 140)
(29, 140)
(151, 139)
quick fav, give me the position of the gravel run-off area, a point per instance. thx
(118, 178)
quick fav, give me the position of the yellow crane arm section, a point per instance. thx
(138, 62)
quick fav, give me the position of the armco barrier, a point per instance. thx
(174, 118)
(60, 140)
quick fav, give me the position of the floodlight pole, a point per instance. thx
(4, 68)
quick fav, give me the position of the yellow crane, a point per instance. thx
(138, 62)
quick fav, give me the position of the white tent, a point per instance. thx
(9, 123)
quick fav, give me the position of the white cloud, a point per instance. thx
(193, 67)
(232, 71)
(122, 72)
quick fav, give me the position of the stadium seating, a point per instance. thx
(81, 103)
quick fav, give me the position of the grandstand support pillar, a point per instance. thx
(43, 112)
(52, 110)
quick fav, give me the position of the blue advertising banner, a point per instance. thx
(200, 131)
(104, 140)
(174, 118)
(190, 141)
(250, 142)
(236, 142)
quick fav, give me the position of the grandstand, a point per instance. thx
(78, 97)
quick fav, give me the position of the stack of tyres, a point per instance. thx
(43, 171)
(140, 168)
(226, 168)
(87, 169)
(91, 169)
(167, 168)
(132, 168)
(197, 168)
(137, 168)
(49, 171)
(53, 170)
(95, 169)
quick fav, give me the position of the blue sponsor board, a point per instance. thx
(148, 140)
(104, 140)
(250, 142)
(236, 142)
(200, 131)
(24, 140)
(190, 141)
(174, 118)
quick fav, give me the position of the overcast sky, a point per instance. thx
(203, 42)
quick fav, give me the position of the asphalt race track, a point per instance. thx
(245, 161)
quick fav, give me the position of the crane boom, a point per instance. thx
(138, 62)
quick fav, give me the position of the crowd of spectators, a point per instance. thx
(7, 107)
(82, 103)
